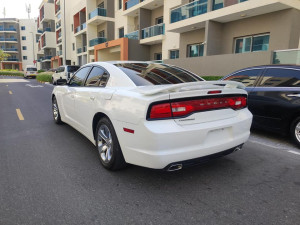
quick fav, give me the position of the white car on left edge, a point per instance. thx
(153, 115)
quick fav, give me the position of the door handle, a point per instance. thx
(294, 95)
(92, 98)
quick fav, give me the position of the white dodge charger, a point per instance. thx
(153, 115)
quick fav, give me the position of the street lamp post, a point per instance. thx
(32, 45)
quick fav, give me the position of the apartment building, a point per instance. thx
(17, 38)
(208, 37)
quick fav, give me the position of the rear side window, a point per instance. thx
(247, 77)
(78, 79)
(31, 69)
(72, 69)
(277, 77)
(144, 74)
(97, 77)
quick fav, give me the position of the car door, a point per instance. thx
(68, 97)
(89, 96)
(56, 74)
(276, 97)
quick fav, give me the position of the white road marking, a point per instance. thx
(294, 152)
(13, 81)
(33, 86)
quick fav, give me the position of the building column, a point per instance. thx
(213, 38)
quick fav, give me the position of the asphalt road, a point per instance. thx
(50, 174)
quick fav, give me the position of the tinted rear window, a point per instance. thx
(280, 77)
(31, 69)
(144, 74)
(72, 69)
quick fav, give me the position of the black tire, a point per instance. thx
(55, 112)
(295, 132)
(116, 161)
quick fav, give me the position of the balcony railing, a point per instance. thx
(59, 41)
(59, 53)
(8, 29)
(97, 12)
(47, 29)
(291, 56)
(8, 39)
(57, 10)
(48, 57)
(97, 41)
(10, 49)
(40, 31)
(189, 10)
(80, 28)
(225, 3)
(58, 25)
(59, 16)
(79, 50)
(133, 35)
(12, 60)
(132, 3)
(158, 29)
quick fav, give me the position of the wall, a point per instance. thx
(192, 37)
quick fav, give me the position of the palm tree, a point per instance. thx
(3, 57)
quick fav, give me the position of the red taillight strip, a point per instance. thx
(184, 108)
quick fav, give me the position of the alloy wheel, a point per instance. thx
(105, 143)
(297, 131)
(55, 110)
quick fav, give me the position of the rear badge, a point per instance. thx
(186, 120)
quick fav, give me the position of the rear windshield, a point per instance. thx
(145, 74)
(31, 69)
(72, 69)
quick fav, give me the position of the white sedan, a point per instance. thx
(153, 115)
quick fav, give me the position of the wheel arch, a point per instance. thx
(96, 119)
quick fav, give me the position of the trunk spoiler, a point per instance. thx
(202, 85)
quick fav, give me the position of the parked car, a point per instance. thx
(274, 97)
(63, 72)
(30, 71)
(153, 115)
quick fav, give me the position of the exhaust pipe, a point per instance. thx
(175, 167)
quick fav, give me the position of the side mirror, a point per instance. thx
(61, 82)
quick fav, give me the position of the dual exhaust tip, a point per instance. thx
(179, 166)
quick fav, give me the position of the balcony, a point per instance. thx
(47, 58)
(57, 9)
(80, 28)
(189, 10)
(10, 49)
(58, 25)
(99, 16)
(9, 29)
(81, 50)
(153, 35)
(59, 41)
(47, 29)
(8, 40)
(59, 53)
(226, 3)
(47, 12)
(11, 60)
(132, 6)
(133, 35)
(97, 41)
(59, 16)
(40, 31)
(194, 15)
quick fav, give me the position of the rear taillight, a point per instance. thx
(184, 108)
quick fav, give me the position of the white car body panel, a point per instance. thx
(158, 143)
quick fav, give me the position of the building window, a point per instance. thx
(159, 20)
(24, 47)
(195, 50)
(72, 27)
(121, 32)
(24, 38)
(252, 43)
(73, 46)
(120, 4)
(101, 33)
(174, 54)
(24, 57)
(157, 56)
(23, 28)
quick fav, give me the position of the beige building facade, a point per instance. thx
(208, 37)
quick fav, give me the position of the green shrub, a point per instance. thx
(41, 71)
(44, 77)
(11, 73)
(11, 70)
(209, 78)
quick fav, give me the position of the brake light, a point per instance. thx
(184, 108)
(161, 111)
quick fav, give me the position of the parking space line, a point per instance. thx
(294, 152)
(10, 92)
(20, 115)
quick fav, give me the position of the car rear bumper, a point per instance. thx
(157, 144)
